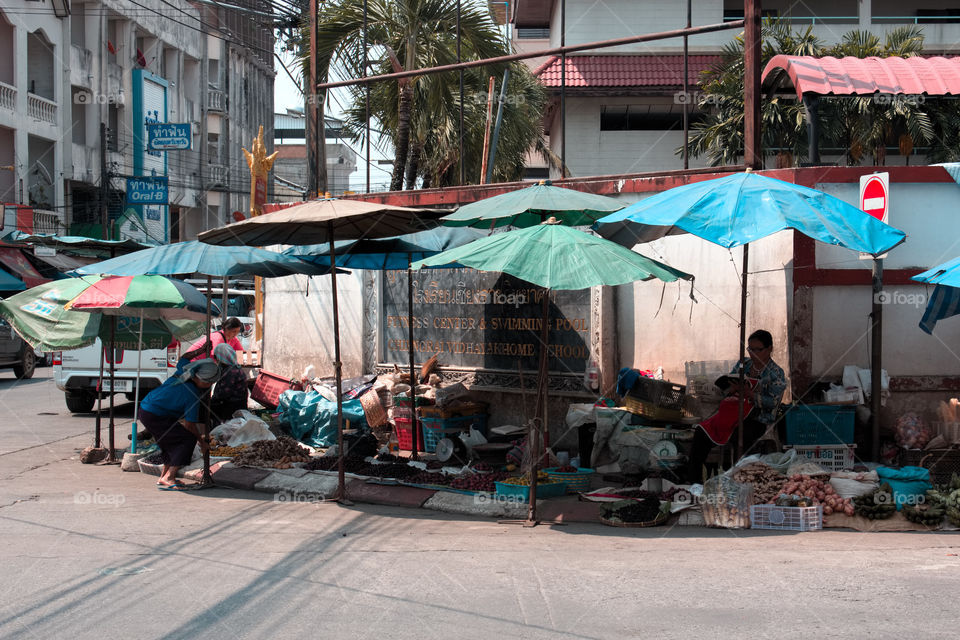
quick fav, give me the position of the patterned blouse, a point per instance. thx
(769, 390)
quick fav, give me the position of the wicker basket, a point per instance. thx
(651, 410)
(659, 392)
(576, 481)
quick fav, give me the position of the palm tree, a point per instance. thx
(420, 115)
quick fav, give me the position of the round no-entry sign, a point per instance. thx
(874, 198)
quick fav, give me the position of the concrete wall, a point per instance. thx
(299, 327)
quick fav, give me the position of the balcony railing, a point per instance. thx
(217, 175)
(216, 100)
(8, 97)
(41, 109)
(47, 221)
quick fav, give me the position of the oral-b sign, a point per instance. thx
(168, 136)
(147, 190)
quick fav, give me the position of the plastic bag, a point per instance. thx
(780, 462)
(852, 484)
(725, 503)
(250, 430)
(909, 484)
(580, 414)
(910, 432)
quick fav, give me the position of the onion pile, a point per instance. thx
(818, 492)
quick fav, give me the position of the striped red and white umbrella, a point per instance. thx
(145, 296)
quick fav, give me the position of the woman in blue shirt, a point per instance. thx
(171, 413)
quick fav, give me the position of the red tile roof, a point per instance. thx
(624, 70)
(934, 76)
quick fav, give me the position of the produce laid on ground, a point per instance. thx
(878, 505)
(767, 482)
(479, 481)
(227, 452)
(279, 454)
(816, 491)
(647, 510)
(952, 500)
(930, 512)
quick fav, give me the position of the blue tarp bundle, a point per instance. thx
(909, 484)
(313, 419)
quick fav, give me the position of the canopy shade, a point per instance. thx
(198, 257)
(533, 205)
(388, 253)
(944, 302)
(313, 222)
(743, 207)
(144, 296)
(75, 242)
(557, 257)
(10, 283)
(39, 317)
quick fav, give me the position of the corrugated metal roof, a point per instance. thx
(624, 70)
(934, 76)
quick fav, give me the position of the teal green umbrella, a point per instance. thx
(533, 205)
(39, 316)
(555, 257)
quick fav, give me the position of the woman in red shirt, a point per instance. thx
(227, 334)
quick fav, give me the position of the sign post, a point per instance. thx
(875, 201)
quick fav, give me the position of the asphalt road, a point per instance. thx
(91, 552)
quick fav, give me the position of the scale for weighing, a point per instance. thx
(452, 448)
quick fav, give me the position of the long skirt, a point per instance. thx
(175, 442)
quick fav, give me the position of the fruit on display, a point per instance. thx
(810, 492)
(524, 480)
(566, 469)
(878, 505)
(952, 500)
(272, 453)
(767, 482)
(930, 512)
(479, 481)
(227, 452)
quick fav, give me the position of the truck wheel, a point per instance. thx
(80, 402)
(28, 364)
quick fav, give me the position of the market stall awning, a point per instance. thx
(10, 283)
(934, 76)
(65, 263)
(13, 259)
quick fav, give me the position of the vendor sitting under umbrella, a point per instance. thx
(764, 384)
(171, 413)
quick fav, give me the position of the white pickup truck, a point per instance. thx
(76, 373)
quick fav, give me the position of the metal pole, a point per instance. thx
(136, 393)
(463, 175)
(540, 416)
(103, 356)
(486, 134)
(686, 89)
(553, 51)
(752, 153)
(413, 371)
(367, 97)
(876, 343)
(496, 126)
(312, 134)
(337, 372)
(563, 89)
(743, 347)
(111, 458)
(206, 478)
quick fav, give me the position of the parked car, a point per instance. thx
(77, 372)
(15, 353)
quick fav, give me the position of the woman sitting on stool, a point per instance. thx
(764, 384)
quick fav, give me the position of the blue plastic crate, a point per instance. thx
(521, 492)
(820, 424)
(435, 429)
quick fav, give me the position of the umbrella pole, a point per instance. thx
(540, 419)
(206, 479)
(743, 348)
(341, 495)
(96, 439)
(413, 374)
(136, 393)
(111, 457)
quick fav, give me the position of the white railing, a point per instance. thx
(8, 97)
(216, 176)
(47, 222)
(41, 109)
(216, 100)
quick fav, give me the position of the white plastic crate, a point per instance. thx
(832, 457)
(769, 516)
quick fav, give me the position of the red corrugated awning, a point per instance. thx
(624, 70)
(934, 76)
(14, 260)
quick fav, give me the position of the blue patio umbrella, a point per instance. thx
(945, 300)
(396, 252)
(743, 207)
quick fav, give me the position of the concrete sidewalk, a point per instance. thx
(300, 485)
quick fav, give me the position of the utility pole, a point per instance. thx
(310, 95)
(104, 182)
(752, 153)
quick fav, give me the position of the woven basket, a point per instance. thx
(650, 410)
(372, 409)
